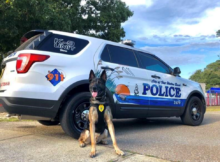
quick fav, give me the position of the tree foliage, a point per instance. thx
(218, 33)
(99, 18)
(210, 75)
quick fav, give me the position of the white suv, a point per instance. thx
(46, 78)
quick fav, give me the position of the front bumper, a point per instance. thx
(26, 106)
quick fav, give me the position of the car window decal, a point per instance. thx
(64, 46)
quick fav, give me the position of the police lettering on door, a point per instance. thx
(163, 89)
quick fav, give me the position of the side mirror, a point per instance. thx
(176, 71)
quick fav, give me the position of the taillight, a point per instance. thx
(25, 61)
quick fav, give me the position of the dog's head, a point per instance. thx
(97, 85)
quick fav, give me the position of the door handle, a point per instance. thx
(184, 84)
(155, 76)
(107, 68)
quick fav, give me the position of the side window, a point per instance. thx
(63, 44)
(105, 55)
(151, 63)
(122, 56)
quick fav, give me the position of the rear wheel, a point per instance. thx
(48, 123)
(194, 112)
(74, 118)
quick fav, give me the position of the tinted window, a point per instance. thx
(63, 44)
(105, 55)
(151, 63)
(122, 56)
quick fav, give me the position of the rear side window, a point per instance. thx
(122, 56)
(63, 44)
(105, 55)
(151, 63)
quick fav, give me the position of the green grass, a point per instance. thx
(12, 119)
(9, 120)
(153, 156)
(213, 108)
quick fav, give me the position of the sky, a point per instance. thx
(180, 32)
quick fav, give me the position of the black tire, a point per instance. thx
(48, 123)
(193, 118)
(71, 117)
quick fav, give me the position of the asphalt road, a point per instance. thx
(164, 138)
(169, 139)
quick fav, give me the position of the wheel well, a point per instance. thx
(200, 96)
(73, 91)
(81, 88)
(197, 94)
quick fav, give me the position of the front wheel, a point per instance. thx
(74, 117)
(194, 112)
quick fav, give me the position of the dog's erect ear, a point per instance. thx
(104, 75)
(91, 75)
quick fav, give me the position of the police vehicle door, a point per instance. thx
(163, 90)
(124, 79)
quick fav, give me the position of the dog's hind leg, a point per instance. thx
(102, 138)
(84, 138)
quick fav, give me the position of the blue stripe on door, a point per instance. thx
(150, 101)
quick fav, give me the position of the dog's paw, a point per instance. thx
(104, 142)
(82, 144)
(119, 152)
(92, 154)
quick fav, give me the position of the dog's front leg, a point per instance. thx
(93, 140)
(93, 116)
(108, 118)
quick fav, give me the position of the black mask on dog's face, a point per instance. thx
(97, 85)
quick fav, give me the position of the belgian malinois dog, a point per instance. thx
(100, 116)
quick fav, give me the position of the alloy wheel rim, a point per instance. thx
(195, 111)
(79, 116)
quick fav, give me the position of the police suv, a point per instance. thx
(46, 78)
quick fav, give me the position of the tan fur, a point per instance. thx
(93, 117)
(108, 119)
(90, 136)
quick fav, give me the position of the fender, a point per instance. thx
(71, 87)
(193, 93)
